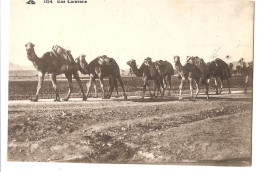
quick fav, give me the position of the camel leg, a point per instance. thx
(246, 84)
(221, 85)
(54, 84)
(180, 87)
(149, 89)
(161, 85)
(89, 84)
(144, 87)
(169, 79)
(216, 85)
(76, 76)
(102, 87)
(228, 82)
(165, 82)
(111, 87)
(122, 85)
(40, 81)
(191, 88)
(207, 88)
(69, 78)
(197, 88)
(95, 88)
(156, 84)
(116, 87)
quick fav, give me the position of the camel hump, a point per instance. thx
(166, 67)
(169, 67)
(108, 62)
(224, 69)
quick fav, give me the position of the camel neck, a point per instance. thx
(37, 62)
(178, 63)
(32, 56)
(85, 67)
(178, 66)
(136, 71)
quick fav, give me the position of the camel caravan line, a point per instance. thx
(60, 61)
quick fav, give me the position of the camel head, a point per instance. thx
(176, 59)
(199, 60)
(29, 46)
(30, 51)
(158, 65)
(131, 62)
(81, 64)
(148, 61)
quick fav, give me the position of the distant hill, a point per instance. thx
(13, 66)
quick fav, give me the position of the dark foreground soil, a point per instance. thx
(159, 131)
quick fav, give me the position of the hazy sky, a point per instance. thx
(131, 29)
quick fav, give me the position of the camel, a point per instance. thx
(188, 71)
(56, 62)
(101, 67)
(161, 72)
(199, 62)
(165, 70)
(83, 67)
(85, 71)
(148, 73)
(247, 72)
(219, 69)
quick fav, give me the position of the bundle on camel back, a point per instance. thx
(219, 69)
(61, 53)
(100, 68)
(55, 62)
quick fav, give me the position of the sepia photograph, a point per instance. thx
(158, 82)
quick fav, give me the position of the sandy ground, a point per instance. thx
(158, 131)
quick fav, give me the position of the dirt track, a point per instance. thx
(165, 131)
